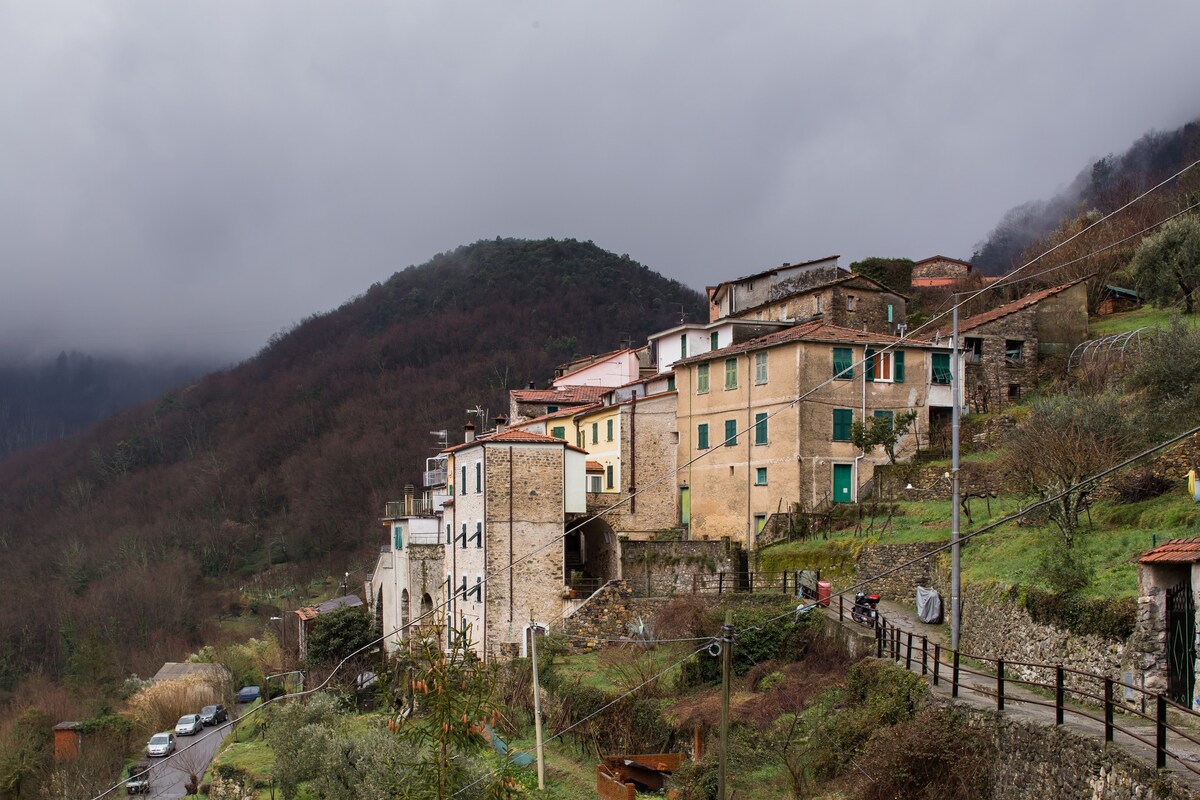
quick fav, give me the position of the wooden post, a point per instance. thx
(937, 662)
(954, 676)
(1161, 731)
(1000, 684)
(726, 670)
(537, 706)
(1108, 709)
(720, 583)
(924, 655)
(908, 652)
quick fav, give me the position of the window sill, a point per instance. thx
(731, 388)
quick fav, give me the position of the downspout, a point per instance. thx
(484, 535)
(752, 534)
(452, 588)
(866, 366)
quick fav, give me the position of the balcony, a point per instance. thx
(408, 507)
(435, 477)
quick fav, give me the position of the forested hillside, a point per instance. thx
(117, 543)
(1101, 187)
(48, 399)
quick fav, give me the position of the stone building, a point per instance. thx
(1168, 577)
(815, 290)
(763, 451)
(1003, 347)
(525, 404)
(940, 271)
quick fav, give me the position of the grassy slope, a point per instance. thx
(1129, 320)
(1012, 553)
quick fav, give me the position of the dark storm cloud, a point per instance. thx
(196, 176)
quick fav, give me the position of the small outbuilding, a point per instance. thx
(68, 741)
(306, 616)
(1166, 626)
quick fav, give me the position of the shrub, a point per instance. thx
(935, 755)
(1108, 618)
(683, 617)
(1138, 486)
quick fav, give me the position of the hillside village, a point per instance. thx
(716, 434)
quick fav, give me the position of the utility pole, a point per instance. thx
(537, 705)
(955, 545)
(726, 669)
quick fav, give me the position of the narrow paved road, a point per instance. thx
(167, 778)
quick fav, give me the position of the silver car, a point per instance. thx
(188, 725)
(161, 744)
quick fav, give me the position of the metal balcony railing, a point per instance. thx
(408, 507)
(435, 477)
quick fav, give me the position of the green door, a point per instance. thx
(685, 505)
(843, 475)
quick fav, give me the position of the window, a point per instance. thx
(463, 483)
(478, 477)
(683, 345)
(559, 432)
(760, 522)
(843, 363)
(399, 533)
(713, 341)
(889, 305)
(817, 305)
(879, 366)
(478, 537)
(730, 432)
(1014, 391)
(670, 383)
(462, 537)
(551, 409)
(973, 347)
(702, 436)
(731, 373)
(941, 368)
(1013, 349)
(760, 368)
(449, 537)
(701, 378)
(595, 432)
(477, 590)
(890, 416)
(760, 476)
(608, 476)
(850, 302)
(594, 483)
(843, 418)
(760, 428)
(608, 431)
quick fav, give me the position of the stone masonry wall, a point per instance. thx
(902, 584)
(605, 615)
(1034, 762)
(662, 568)
(986, 384)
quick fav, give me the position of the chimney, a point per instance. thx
(468, 433)
(501, 423)
(408, 499)
(531, 385)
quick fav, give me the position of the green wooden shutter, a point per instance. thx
(843, 418)
(869, 365)
(898, 367)
(702, 436)
(559, 432)
(760, 428)
(843, 362)
(730, 432)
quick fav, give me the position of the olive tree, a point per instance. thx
(1167, 264)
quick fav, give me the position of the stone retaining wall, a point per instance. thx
(605, 615)
(900, 585)
(664, 568)
(1033, 761)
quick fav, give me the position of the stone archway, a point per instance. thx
(591, 556)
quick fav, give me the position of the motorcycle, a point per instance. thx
(865, 611)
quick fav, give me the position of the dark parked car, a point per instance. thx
(248, 694)
(213, 715)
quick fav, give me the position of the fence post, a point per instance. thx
(1059, 694)
(879, 639)
(924, 655)
(841, 608)
(721, 583)
(937, 662)
(751, 574)
(908, 652)
(1161, 737)
(785, 581)
(1000, 684)
(954, 677)
(1108, 709)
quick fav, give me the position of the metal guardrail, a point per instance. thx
(790, 582)
(938, 664)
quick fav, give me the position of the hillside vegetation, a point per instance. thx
(120, 544)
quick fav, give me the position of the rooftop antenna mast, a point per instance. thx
(682, 312)
(443, 439)
(482, 413)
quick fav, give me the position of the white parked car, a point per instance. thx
(161, 744)
(188, 725)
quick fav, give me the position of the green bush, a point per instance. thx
(1108, 618)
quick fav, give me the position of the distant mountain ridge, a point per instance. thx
(1103, 186)
(289, 457)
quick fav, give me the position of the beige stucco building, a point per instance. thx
(749, 448)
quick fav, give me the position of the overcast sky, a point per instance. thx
(197, 176)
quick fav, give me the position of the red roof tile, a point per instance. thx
(595, 466)
(1175, 551)
(512, 437)
(817, 331)
(1028, 301)
(561, 395)
(564, 412)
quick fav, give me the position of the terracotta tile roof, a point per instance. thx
(816, 331)
(561, 395)
(816, 287)
(512, 437)
(967, 264)
(1028, 301)
(561, 413)
(775, 270)
(1177, 551)
(595, 466)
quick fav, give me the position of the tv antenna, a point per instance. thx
(443, 438)
(480, 412)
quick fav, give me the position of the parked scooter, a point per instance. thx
(865, 611)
